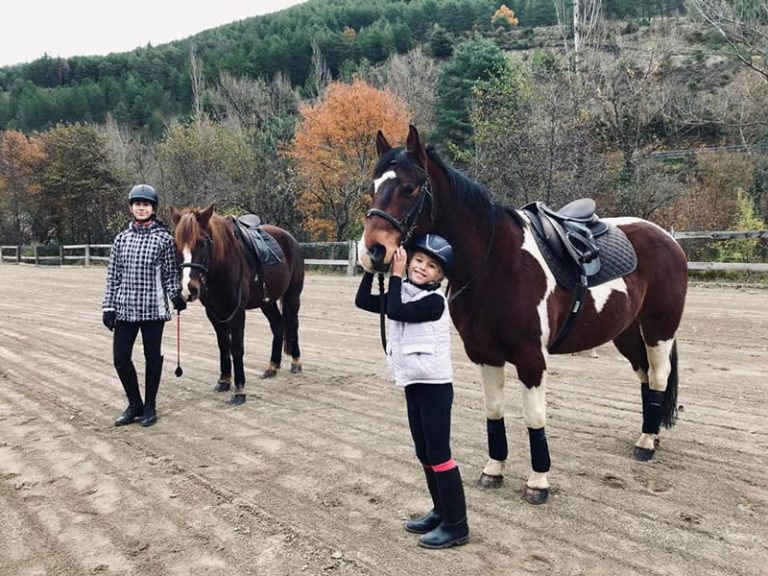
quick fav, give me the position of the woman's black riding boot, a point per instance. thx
(127, 374)
(431, 519)
(453, 530)
(152, 384)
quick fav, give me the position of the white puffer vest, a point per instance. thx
(420, 352)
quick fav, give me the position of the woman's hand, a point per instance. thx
(399, 258)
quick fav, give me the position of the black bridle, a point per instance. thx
(202, 267)
(407, 224)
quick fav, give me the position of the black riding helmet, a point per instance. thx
(143, 192)
(437, 247)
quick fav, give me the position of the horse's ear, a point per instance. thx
(415, 147)
(206, 214)
(175, 215)
(382, 146)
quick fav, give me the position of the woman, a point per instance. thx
(141, 276)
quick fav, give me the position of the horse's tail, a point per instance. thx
(669, 404)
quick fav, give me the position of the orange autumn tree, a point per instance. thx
(504, 14)
(19, 157)
(335, 152)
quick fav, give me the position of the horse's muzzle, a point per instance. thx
(377, 253)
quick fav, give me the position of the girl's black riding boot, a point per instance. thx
(431, 519)
(453, 530)
(152, 383)
(127, 374)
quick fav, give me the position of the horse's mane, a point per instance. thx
(188, 231)
(469, 192)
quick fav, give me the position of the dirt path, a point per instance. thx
(315, 474)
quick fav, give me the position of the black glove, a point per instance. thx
(179, 303)
(110, 319)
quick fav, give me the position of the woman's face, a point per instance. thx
(142, 210)
(423, 269)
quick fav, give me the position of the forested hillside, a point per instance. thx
(277, 114)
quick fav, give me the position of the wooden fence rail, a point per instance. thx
(85, 253)
(17, 255)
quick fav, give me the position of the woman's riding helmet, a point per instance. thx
(143, 192)
(437, 247)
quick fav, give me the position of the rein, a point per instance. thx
(382, 313)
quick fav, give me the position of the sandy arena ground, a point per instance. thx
(315, 473)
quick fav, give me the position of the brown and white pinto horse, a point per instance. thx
(508, 307)
(214, 269)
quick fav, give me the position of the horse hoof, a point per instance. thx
(221, 386)
(489, 481)
(643, 454)
(536, 496)
(269, 373)
(295, 368)
(237, 399)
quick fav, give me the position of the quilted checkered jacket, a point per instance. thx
(142, 275)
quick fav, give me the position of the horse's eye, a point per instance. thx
(408, 189)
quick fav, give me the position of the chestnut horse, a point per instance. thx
(215, 269)
(507, 305)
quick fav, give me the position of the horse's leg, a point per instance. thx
(225, 362)
(632, 346)
(237, 331)
(659, 396)
(291, 304)
(533, 376)
(493, 389)
(275, 318)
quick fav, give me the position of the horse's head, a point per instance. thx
(194, 242)
(402, 201)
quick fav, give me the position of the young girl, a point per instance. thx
(140, 277)
(419, 355)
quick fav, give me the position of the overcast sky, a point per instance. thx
(32, 28)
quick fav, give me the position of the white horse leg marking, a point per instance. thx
(186, 272)
(535, 416)
(493, 395)
(659, 368)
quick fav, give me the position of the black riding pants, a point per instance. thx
(429, 417)
(125, 337)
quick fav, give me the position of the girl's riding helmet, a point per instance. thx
(143, 192)
(437, 247)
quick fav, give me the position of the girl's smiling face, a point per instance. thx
(423, 269)
(142, 210)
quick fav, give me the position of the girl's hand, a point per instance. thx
(399, 258)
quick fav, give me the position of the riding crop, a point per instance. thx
(178, 371)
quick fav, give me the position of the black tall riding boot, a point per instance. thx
(127, 374)
(152, 384)
(453, 530)
(431, 519)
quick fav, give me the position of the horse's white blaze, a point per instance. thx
(538, 480)
(535, 404)
(388, 175)
(186, 272)
(601, 293)
(659, 365)
(493, 390)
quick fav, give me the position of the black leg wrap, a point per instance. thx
(497, 439)
(539, 449)
(653, 405)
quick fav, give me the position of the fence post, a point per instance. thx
(37, 262)
(18, 254)
(61, 255)
(87, 255)
(351, 258)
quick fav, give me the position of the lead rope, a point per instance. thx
(382, 313)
